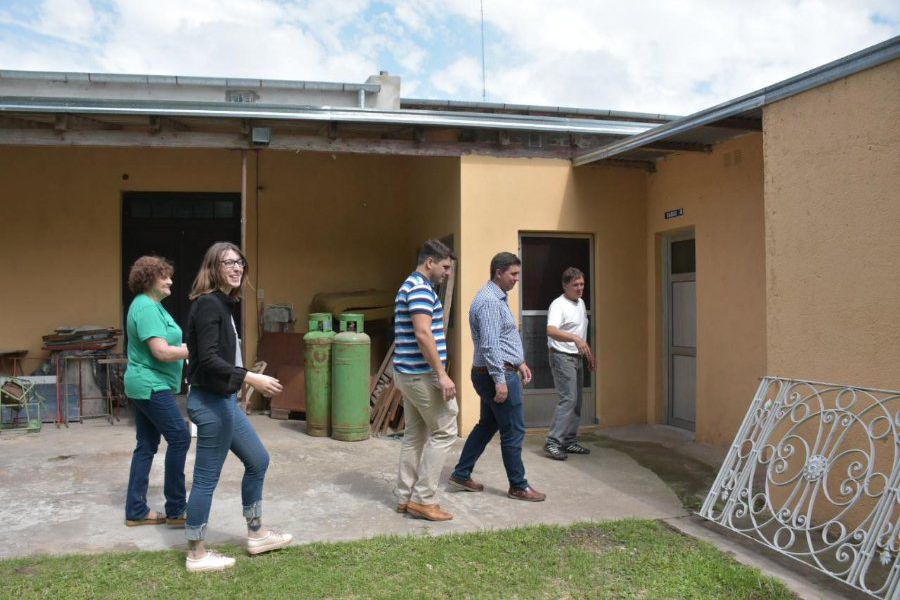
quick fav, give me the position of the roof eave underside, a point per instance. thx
(749, 106)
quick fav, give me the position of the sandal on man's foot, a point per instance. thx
(152, 518)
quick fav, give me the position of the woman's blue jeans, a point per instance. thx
(155, 418)
(222, 426)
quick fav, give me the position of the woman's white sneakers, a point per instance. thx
(274, 540)
(213, 561)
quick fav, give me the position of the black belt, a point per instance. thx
(552, 349)
(508, 367)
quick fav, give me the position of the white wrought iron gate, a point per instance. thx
(813, 473)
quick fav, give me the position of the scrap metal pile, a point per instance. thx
(87, 337)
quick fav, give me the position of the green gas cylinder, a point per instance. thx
(350, 380)
(317, 353)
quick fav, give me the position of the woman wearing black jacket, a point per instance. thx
(216, 372)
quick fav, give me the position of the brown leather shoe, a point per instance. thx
(529, 494)
(401, 508)
(466, 485)
(432, 512)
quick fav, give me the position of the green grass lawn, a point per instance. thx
(622, 559)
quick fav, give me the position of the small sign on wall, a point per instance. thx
(671, 214)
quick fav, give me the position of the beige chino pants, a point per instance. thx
(429, 434)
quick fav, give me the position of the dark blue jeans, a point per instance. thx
(154, 418)
(222, 426)
(507, 417)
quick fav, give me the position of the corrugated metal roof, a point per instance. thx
(407, 117)
(498, 107)
(67, 77)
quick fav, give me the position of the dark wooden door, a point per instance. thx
(179, 227)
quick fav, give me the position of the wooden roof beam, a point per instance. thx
(159, 124)
(279, 141)
(7, 122)
(66, 122)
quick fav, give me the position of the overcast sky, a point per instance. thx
(673, 57)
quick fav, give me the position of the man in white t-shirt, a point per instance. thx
(567, 327)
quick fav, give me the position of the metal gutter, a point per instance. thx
(324, 114)
(79, 78)
(505, 107)
(843, 67)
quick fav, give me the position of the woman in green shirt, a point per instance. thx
(156, 356)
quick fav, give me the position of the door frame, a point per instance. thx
(589, 393)
(667, 239)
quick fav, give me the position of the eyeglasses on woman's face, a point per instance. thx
(232, 263)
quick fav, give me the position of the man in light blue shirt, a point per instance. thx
(498, 364)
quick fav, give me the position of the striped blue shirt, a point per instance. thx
(416, 297)
(494, 332)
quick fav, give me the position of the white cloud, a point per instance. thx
(72, 21)
(462, 78)
(413, 15)
(206, 37)
(670, 57)
(663, 57)
(236, 38)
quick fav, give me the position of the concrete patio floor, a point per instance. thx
(62, 491)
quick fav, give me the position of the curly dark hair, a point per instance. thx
(146, 270)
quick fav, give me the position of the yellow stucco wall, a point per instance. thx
(325, 224)
(432, 188)
(832, 159)
(344, 222)
(722, 197)
(502, 197)
(329, 225)
(62, 218)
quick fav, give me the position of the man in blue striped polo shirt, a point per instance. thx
(420, 373)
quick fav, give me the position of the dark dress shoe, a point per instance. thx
(466, 485)
(576, 448)
(529, 494)
(555, 452)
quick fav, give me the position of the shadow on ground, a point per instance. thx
(688, 477)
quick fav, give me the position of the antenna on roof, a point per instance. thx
(483, 88)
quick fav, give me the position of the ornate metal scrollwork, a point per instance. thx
(814, 473)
